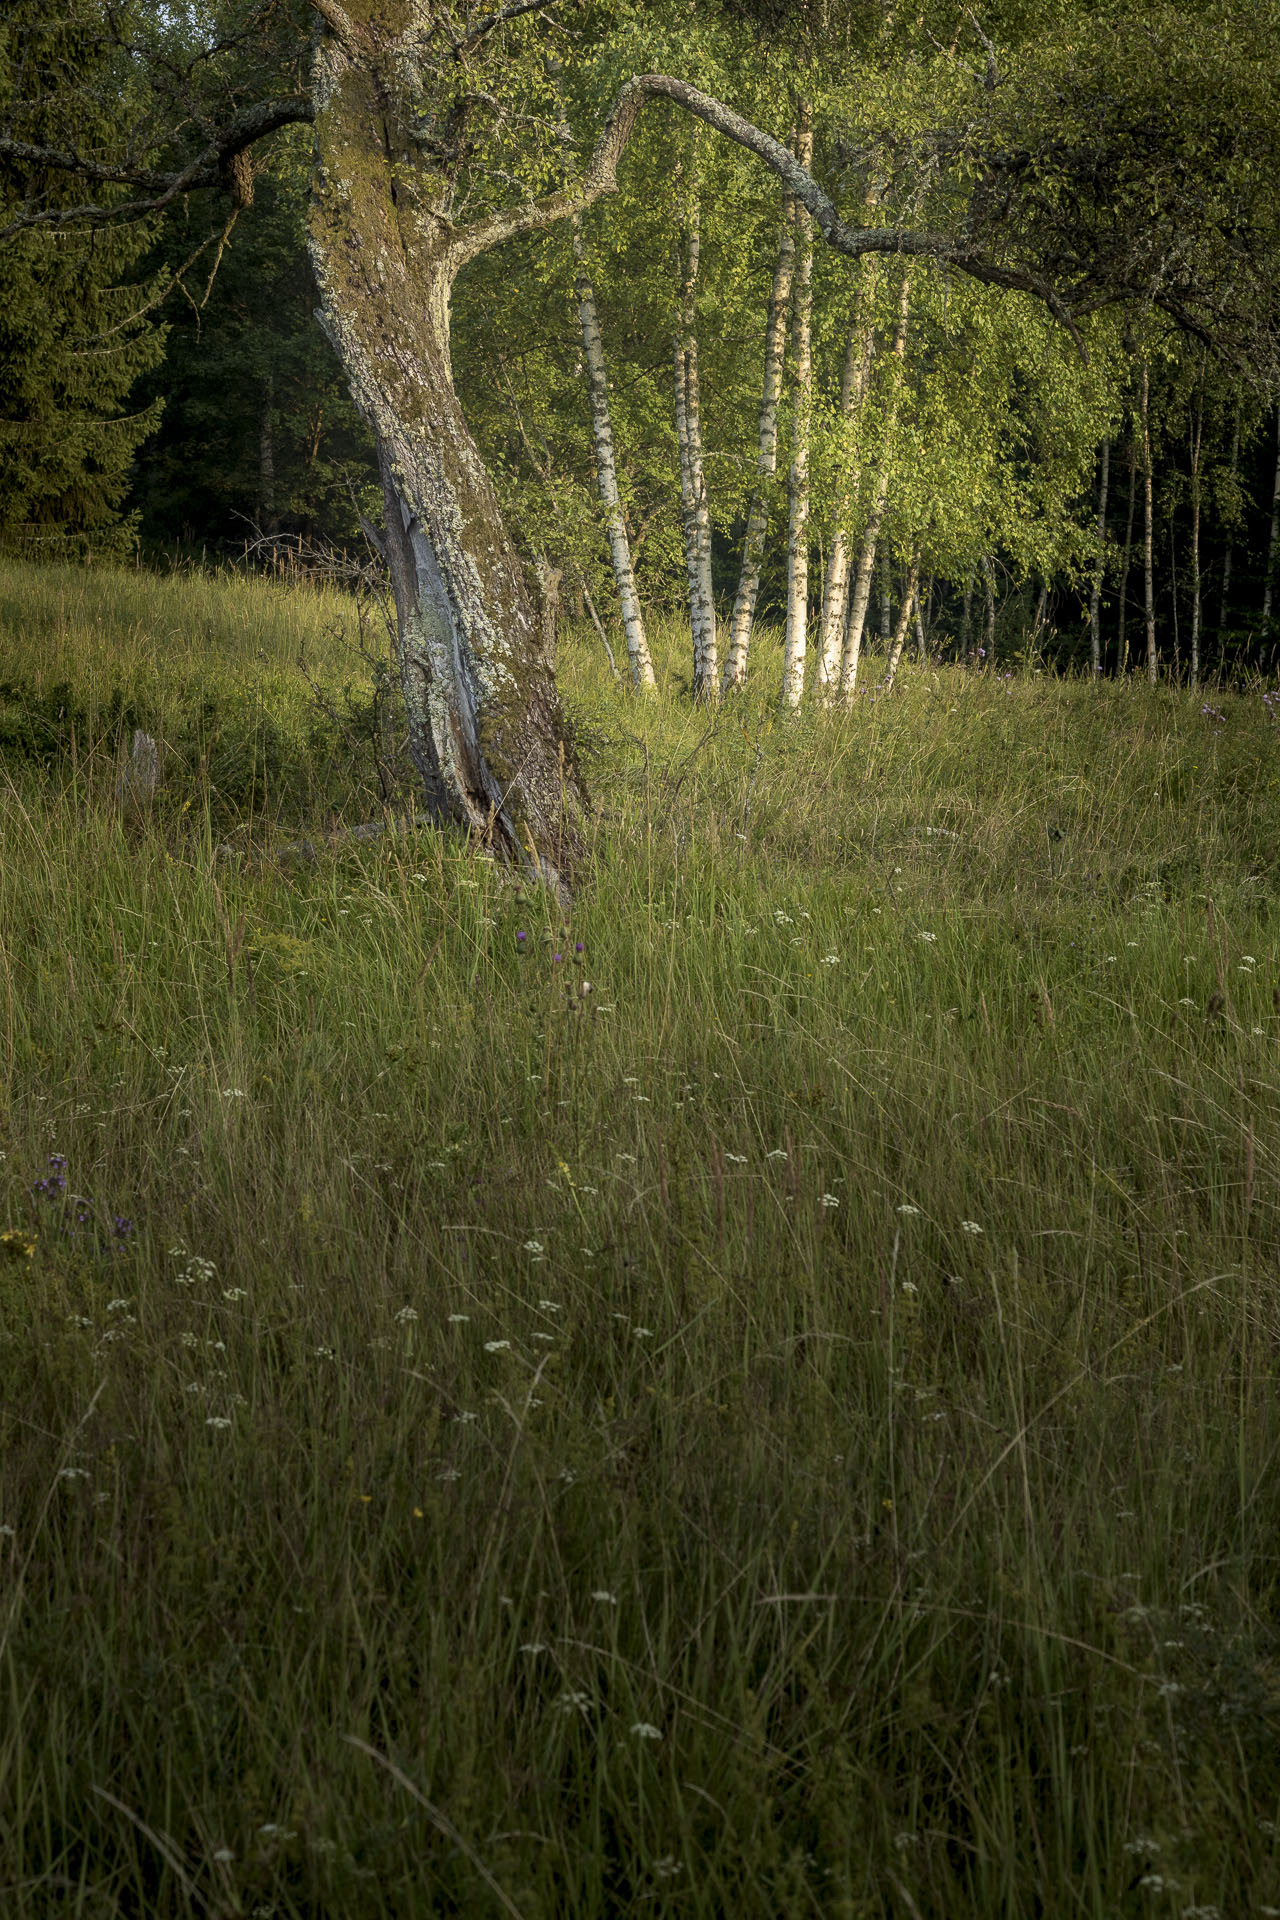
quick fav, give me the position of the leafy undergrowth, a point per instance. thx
(759, 1398)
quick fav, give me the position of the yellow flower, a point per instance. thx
(18, 1245)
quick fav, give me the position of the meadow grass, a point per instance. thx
(755, 1397)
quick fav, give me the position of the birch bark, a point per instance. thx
(693, 485)
(1227, 556)
(1197, 445)
(796, 638)
(1122, 637)
(861, 594)
(607, 477)
(775, 340)
(854, 380)
(899, 638)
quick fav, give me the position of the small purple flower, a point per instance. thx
(579, 947)
(557, 956)
(521, 937)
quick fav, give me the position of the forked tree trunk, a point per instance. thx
(693, 483)
(861, 594)
(775, 340)
(607, 476)
(486, 731)
(853, 388)
(1095, 589)
(796, 637)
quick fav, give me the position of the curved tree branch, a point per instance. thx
(601, 177)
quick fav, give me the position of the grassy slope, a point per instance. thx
(496, 1371)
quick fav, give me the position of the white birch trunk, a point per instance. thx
(696, 511)
(899, 638)
(796, 640)
(775, 340)
(861, 594)
(607, 477)
(1122, 636)
(1095, 590)
(853, 388)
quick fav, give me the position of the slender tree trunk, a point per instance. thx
(886, 602)
(598, 624)
(796, 639)
(922, 600)
(486, 731)
(1148, 531)
(1273, 535)
(966, 617)
(861, 593)
(989, 605)
(1122, 638)
(1197, 446)
(853, 388)
(1095, 590)
(775, 341)
(899, 637)
(268, 518)
(697, 516)
(1227, 556)
(607, 477)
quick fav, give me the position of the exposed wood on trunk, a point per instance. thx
(775, 340)
(693, 484)
(1095, 589)
(607, 478)
(861, 594)
(796, 638)
(486, 732)
(1148, 531)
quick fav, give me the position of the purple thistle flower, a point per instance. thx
(557, 956)
(521, 937)
(579, 947)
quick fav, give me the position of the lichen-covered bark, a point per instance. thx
(485, 726)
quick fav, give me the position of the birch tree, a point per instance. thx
(607, 474)
(795, 639)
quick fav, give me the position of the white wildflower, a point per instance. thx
(643, 1731)
(496, 1346)
(970, 1226)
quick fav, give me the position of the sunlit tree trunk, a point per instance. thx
(607, 477)
(693, 484)
(1273, 535)
(853, 386)
(861, 592)
(886, 602)
(486, 732)
(1148, 531)
(1095, 590)
(796, 637)
(775, 341)
(898, 638)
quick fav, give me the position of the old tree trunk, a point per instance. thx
(486, 730)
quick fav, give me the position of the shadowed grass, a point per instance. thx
(758, 1399)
